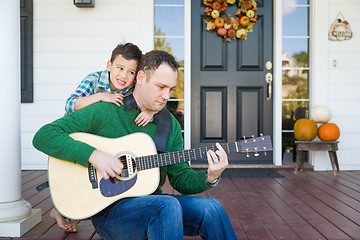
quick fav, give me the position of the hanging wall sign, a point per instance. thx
(340, 29)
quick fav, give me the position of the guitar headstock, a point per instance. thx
(255, 145)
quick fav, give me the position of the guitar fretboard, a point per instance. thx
(165, 159)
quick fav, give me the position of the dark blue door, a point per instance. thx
(229, 92)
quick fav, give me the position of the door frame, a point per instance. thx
(277, 35)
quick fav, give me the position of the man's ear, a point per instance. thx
(140, 77)
(108, 65)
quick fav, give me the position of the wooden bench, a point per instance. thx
(303, 146)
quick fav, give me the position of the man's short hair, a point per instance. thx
(128, 51)
(153, 59)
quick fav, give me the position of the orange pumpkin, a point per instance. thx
(231, 33)
(222, 31)
(216, 5)
(329, 132)
(219, 22)
(305, 130)
(246, 4)
(244, 21)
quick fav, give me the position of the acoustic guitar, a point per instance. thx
(80, 192)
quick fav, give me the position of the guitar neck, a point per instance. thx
(165, 159)
(252, 145)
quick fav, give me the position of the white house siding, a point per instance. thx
(344, 83)
(69, 43)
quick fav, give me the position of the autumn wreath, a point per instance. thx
(224, 24)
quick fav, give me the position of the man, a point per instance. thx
(155, 216)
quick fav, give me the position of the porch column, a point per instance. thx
(16, 215)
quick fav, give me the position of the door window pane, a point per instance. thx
(169, 20)
(295, 16)
(292, 111)
(296, 48)
(169, 2)
(175, 46)
(295, 84)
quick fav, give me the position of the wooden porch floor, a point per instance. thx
(310, 205)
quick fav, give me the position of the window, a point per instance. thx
(295, 70)
(26, 30)
(169, 36)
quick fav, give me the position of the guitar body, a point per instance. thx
(72, 192)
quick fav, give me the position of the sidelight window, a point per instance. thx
(169, 36)
(295, 70)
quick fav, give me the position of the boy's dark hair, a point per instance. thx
(153, 59)
(128, 51)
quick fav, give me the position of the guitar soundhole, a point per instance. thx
(129, 170)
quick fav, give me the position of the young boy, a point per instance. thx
(111, 86)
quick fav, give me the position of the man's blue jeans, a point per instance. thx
(164, 217)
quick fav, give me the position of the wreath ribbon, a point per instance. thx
(224, 24)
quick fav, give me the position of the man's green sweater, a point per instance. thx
(108, 120)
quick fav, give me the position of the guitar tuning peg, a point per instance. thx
(247, 155)
(244, 137)
(252, 136)
(264, 153)
(262, 136)
(256, 154)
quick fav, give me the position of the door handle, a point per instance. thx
(269, 79)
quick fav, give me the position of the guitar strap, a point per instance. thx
(163, 121)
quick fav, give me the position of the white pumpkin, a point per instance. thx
(320, 114)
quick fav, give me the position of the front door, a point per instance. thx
(230, 96)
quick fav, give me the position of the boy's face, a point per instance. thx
(122, 72)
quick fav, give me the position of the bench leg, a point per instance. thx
(300, 158)
(334, 162)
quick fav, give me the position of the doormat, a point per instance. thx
(248, 173)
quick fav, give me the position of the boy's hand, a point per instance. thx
(115, 98)
(144, 118)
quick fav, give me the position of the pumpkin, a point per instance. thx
(320, 114)
(231, 33)
(241, 33)
(246, 4)
(244, 21)
(250, 14)
(329, 132)
(305, 130)
(215, 14)
(222, 31)
(216, 5)
(219, 22)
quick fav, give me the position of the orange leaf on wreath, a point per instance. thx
(223, 7)
(208, 2)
